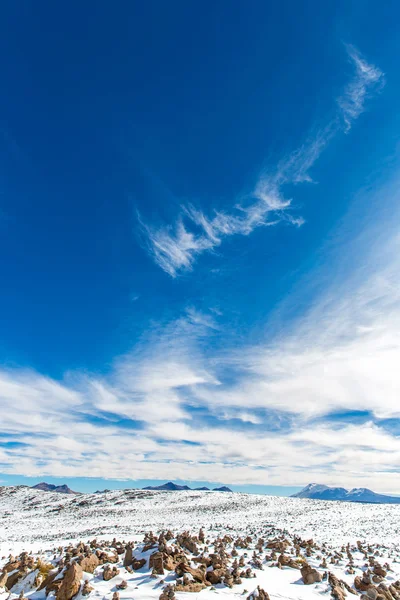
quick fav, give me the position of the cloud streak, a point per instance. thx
(176, 247)
(368, 79)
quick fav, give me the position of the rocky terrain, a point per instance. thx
(164, 545)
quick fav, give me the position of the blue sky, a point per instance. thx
(199, 244)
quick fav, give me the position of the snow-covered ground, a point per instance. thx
(37, 521)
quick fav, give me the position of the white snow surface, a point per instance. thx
(39, 522)
(30, 516)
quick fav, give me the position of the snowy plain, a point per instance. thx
(38, 522)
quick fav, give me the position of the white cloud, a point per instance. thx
(342, 355)
(175, 248)
(368, 78)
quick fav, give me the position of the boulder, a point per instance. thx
(109, 573)
(156, 563)
(215, 576)
(87, 589)
(379, 570)
(258, 594)
(138, 563)
(198, 575)
(70, 583)
(89, 563)
(363, 583)
(310, 575)
(287, 561)
(128, 558)
(168, 593)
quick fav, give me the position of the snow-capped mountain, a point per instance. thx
(317, 491)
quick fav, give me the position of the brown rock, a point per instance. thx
(379, 570)
(49, 584)
(362, 583)
(13, 578)
(278, 545)
(169, 562)
(90, 563)
(190, 586)
(186, 541)
(138, 563)
(168, 593)
(258, 594)
(87, 589)
(286, 561)
(215, 576)
(3, 579)
(198, 575)
(109, 573)
(71, 582)
(310, 575)
(12, 565)
(156, 563)
(128, 558)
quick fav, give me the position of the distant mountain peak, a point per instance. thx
(50, 487)
(169, 487)
(315, 491)
(315, 487)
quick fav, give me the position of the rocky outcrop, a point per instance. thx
(363, 583)
(109, 572)
(90, 563)
(128, 558)
(87, 589)
(258, 594)
(287, 561)
(310, 575)
(3, 579)
(168, 593)
(188, 542)
(71, 582)
(156, 563)
(138, 563)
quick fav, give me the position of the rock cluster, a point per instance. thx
(192, 562)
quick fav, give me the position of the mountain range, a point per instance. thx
(169, 487)
(174, 487)
(316, 491)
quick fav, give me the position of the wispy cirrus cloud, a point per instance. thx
(176, 247)
(368, 79)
